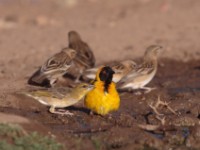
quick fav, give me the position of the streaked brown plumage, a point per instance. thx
(144, 73)
(85, 58)
(55, 67)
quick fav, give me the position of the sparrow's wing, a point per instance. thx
(90, 73)
(129, 76)
(118, 67)
(145, 68)
(58, 64)
(60, 61)
(141, 70)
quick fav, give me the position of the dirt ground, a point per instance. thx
(33, 30)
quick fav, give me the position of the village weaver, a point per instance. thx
(104, 97)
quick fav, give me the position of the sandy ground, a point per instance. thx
(33, 30)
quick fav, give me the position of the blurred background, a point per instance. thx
(33, 30)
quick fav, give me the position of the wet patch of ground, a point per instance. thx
(135, 125)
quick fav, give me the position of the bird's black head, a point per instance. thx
(106, 75)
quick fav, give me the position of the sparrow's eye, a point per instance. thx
(52, 62)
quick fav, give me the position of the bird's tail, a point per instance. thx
(90, 73)
(38, 78)
(23, 93)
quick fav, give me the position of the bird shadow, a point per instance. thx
(45, 82)
(69, 76)
(197, 68)
(78, 109)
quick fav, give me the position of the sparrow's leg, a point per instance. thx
(78, 79)
(65, 112)
(79, 76)
(131, 90)
(148, 89)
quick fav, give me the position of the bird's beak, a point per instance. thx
(90, 86)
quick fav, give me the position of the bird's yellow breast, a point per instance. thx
(102, 102)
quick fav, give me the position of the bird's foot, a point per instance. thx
(148, 89)
(91, 113)
(138, 93)
(77, 81)
(63, 112)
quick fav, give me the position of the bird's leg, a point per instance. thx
(130, 90)
(52, 109)
(61, 110)
(148, 89)
(79, 76)
(91, 113)
(65, 112)
(77, 80)
(138, 93)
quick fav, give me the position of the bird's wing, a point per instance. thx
(59, 92)
(127, 78)
(59, 61)
(141, 70)
(90, 73)
(145, 68)
(118, 67)
(58, 64)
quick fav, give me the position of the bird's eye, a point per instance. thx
(52, 62)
